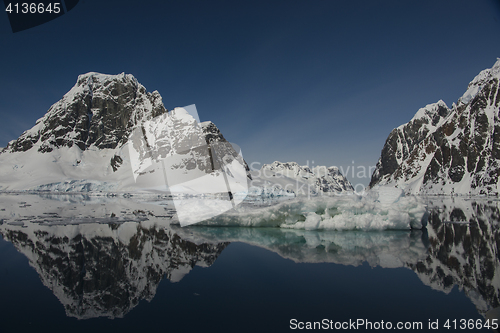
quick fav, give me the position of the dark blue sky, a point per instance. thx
(286, 80)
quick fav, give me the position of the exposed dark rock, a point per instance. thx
(215, 138)
(448, 151)
(116, 161)
(98, 111)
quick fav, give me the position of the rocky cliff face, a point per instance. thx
(446, 150)
(98, 111)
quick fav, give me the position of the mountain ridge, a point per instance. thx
(96, 110)
(108, 130)
(81, 143)
(449, 151)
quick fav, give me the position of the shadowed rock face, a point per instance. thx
(214, 137)
(100, 275)
(99, 111)
(448, 150)
(411, 134)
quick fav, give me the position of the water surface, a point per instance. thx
(77, 263)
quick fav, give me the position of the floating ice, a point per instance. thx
(379, 209)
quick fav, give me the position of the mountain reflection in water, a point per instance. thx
(464, 243)
(104, 269)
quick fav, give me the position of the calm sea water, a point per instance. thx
(65, 269)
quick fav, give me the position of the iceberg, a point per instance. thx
(378, 209)
(381, 208)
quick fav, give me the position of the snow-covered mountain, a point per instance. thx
(98, 112)
(105, 133)
(293, 179)
(446, 150)
(108, 134)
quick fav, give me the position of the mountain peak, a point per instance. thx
(100, 77)
(99, 110)
(433, 111)
(458, 152)
(81, 143)
(294, 178)
(477, 84)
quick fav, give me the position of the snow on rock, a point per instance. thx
(479, 82)
(99, 111)
(291, 179)
(451, 151)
